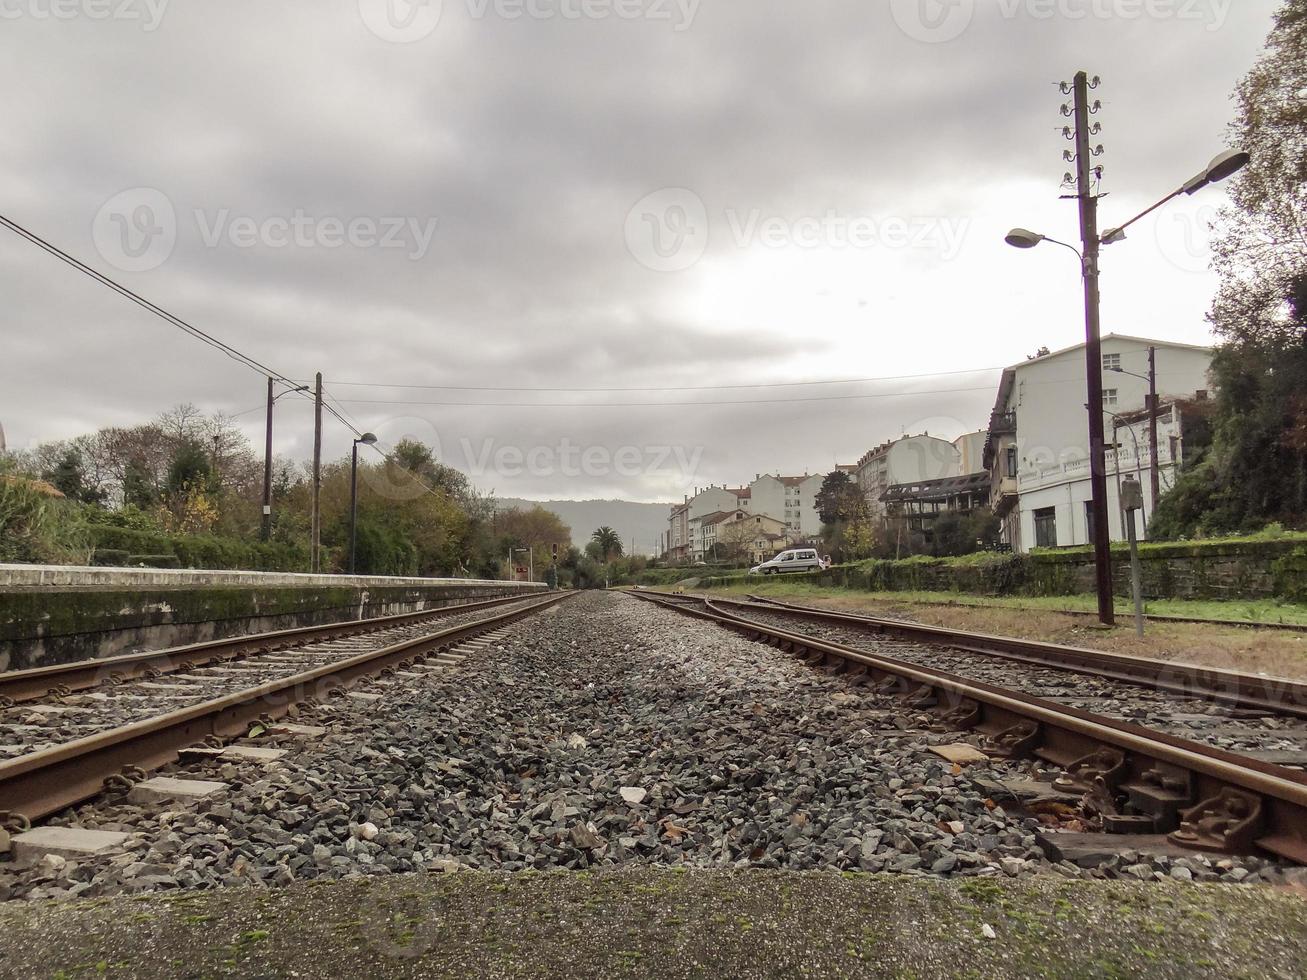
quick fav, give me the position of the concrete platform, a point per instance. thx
(71, 843)
(162, 788)
(655, 922)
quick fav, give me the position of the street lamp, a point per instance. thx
(1154, 475)
(1221, 166)
(265, 531)
(366, 439)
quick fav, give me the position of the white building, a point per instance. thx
(910, 459)
(686, 524)
(1038, 446)
(971, 452)
(789, 499)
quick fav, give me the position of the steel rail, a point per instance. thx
(1061, 734)
(33, 684)
(1280, 695)
(1150, 617)
(47, 781)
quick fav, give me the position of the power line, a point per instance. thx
(146, 304)
(740, 401)
(655, 388)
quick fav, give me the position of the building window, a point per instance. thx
(1011, 458)
(1089, 521)
(1109, 396)
(1046, 527)
(1200, 395)
(1175, 449)
(1111, 362)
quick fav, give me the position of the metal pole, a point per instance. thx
(1134, 501)
(353, 502)
(1135, 587)
(315, 528)
(265, 531)
(1093, 353)
(531, 564)
(1154, 476)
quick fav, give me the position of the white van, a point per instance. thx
(794, 560)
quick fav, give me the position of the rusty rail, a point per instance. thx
(45, 782)
(1141, 780)
(17, 686)
(1280, 695)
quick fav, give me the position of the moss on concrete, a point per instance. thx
(658, 922)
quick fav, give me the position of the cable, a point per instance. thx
(146, 304)
(660, 404)
(764, 384)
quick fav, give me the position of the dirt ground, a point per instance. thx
(659, 923)
(1280, 653)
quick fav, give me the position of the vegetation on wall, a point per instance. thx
(1256, 468)
(185, 491)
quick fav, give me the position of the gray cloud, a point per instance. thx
(529, 141)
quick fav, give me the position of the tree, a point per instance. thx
(839, 498)
(1256, 470)
(608, 542)
(69, 477)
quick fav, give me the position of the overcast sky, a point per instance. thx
(514, 194)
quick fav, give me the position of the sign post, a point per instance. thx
(1132, 501)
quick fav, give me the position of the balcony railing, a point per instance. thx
(1002, 423)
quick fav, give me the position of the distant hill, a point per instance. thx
(644, 522)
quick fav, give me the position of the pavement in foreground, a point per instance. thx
(656, 922)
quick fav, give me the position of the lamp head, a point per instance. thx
(1023, 238)
(367, 439)
(1221, 166)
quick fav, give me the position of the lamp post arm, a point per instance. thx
(1115, 234)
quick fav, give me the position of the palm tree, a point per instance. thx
(608, 542)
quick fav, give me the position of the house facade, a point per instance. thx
(792, 500)
(910, 459)
(1037, 450)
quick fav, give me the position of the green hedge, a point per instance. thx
(121, 545)
(1229, 569)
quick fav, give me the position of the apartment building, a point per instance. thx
(907, 460)
(1037, 450)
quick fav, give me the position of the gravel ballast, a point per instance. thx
(604, 733)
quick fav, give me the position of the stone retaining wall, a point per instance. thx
(1272, 569)
(51, 615)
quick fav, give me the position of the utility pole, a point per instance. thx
(1154, 477)
(266, 530)
(315, 545)
(1093, 351)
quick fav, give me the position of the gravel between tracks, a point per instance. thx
(1194, 718)
(32, 726)
(605, 732)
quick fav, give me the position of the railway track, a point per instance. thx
(288, 667)
(1132, 779)
(87, 697)
(1255, 692)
